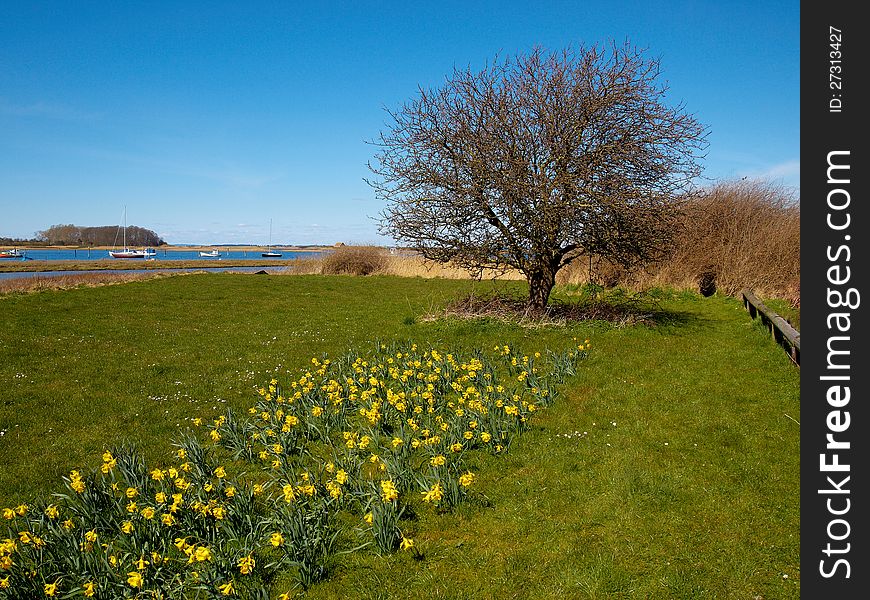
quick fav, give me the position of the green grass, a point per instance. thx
(668, 469)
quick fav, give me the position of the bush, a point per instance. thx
(743, 234)
(355, 260)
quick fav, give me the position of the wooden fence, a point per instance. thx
(785, 335)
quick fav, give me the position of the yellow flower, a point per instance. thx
(316, 411)
(91, 536)
(127, 527)
(485, 437)
(107, 457)
(258, 489)
(341, 476)
(132, 492)
(141, 563)
(148, 512)
(433, 495)
(51, 511)
(8, 513)
(90, 589)
(457, 447)
(50, 589)
(134, 579)
(407, 543)
(68, 524)
(78, 485)
(181, 453)
(230, 491)
(220, 473)
(247, 564)
(131, 507)
(276, 539)
(202, 554)
(467, 479)
(226, 589)
(4, 583)
(219, 512)
(369, 518)
(438, 460)
(160, 497)
(167, 519)
(389, 491)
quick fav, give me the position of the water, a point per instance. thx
(85, 254)
(162, 255)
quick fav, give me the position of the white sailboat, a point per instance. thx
(269, 253)
(211, 254)
(129, 252)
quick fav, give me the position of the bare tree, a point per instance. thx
(537, 160)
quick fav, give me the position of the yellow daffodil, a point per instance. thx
(134, 579)
(202, 554)
(246, 565)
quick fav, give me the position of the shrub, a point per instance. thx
(743, 234)
(355, 260)
(739, 234)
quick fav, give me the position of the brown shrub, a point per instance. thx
(354, 260)
(743, 234)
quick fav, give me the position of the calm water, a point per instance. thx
(85, 254)
(166, 256)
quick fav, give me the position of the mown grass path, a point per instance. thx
(668, 469)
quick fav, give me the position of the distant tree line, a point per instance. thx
(106, 235)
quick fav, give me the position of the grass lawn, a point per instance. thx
(668, 468)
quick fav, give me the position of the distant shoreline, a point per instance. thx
(173, 248)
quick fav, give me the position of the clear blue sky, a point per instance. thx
(208, 119)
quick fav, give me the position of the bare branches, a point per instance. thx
(536, 159)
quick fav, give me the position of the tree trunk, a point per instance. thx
(541, 282)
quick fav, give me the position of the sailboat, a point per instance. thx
(269, 253)
(128, 252)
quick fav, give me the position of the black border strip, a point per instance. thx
(834, 232)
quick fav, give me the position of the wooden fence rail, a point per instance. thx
(785, 335)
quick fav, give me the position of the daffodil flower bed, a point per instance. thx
(336, 454)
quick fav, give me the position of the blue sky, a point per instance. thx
(209, 119)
